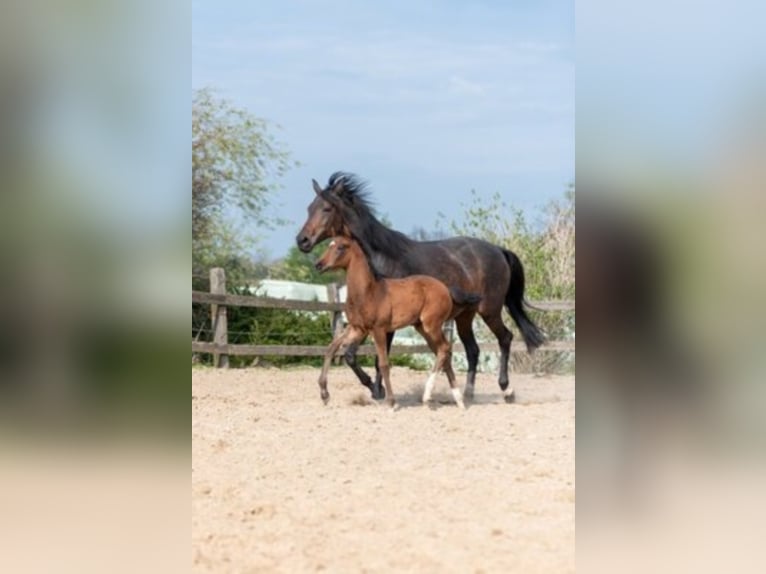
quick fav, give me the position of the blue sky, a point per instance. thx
(425, 100)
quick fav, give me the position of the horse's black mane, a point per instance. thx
(384, 247)
(355, 190)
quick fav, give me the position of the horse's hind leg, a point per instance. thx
(429, 387)
(456, 392)
(441, 347)
(464, 324)
(504, 337)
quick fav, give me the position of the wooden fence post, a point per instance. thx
(336, 318)
(218, 317)
(449, 330)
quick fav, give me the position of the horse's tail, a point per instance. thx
(460, 297)
(514, 301)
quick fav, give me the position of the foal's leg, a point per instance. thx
(377, 389)
(504, 337)
(464, 324)
(444, 359)
(348, 336)
(432, 376)
(329, 354)
(456, 392)
(380, 338)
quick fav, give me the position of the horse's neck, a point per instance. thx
(360, 282)
(386, 248)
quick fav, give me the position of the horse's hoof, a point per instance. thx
(468, 393)
(509, 396)
(394, 407)
(325, 397)
(378, 394)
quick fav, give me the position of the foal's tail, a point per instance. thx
(460, 297)
(514, 301)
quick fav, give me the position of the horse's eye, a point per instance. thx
(327, 209)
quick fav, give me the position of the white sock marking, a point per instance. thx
(458, 397)
(429, 387)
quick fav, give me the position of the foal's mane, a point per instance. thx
(383, 247)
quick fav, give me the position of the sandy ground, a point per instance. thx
(281, 483)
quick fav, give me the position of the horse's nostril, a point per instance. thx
(304, 243)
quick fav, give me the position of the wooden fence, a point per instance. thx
(220, 348)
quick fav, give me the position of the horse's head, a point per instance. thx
(337, 256)
(325, 217)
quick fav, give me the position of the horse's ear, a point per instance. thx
(337, 189)
(317, 187)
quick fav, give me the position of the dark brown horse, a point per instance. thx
(380, 306)
(472, 265)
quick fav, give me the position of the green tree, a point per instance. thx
(236, 164)
(547, 250)
(235, 167)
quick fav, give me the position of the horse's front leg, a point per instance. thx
(329, 354)
(381, 346)
(364, 378)
(349, 336)
(378, 392)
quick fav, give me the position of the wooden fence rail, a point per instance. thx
(272, 303)
(219, 300)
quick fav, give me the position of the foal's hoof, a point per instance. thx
(458, 396)
(325, 396)
(509, 396)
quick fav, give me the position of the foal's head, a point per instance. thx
(339, 254)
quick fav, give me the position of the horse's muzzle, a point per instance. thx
(304, 243)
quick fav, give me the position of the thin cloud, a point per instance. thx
(461, 86)
(469, 96)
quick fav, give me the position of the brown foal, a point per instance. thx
(381, 306)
